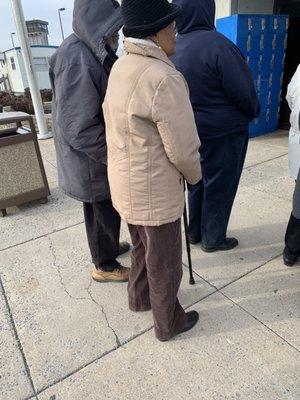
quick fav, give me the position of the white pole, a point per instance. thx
(28, 63)
(60, 21)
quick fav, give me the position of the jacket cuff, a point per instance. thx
(195, 178)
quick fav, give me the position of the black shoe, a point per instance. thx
(230, 243)
(288, 258)
(195, 240)
(124, 247)
(192, 319)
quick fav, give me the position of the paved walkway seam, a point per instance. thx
(237, 304)
(114, 349)
(19, 344)
(53, 165)
(42, 236)
(258, 320)
(121, 345)
(93, 361)
(237, 279)
(266, 161)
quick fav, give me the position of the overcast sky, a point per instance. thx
(36, 9)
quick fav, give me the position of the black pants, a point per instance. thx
(102, 224)
(211, 201)
(292, 237)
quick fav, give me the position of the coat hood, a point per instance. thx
(196, 15)
(94, 21)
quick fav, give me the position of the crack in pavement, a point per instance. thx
(60, 274)
(129, 340)
(89, 290)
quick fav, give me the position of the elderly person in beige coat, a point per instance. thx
(152, 146)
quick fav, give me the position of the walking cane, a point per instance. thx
(188, 247)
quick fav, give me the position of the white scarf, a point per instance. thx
(144, 42)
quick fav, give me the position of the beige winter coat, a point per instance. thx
(152, 138)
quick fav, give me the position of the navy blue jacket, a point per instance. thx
(221, 83)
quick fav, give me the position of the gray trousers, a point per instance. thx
(296, 202)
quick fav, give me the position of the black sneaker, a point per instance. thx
(229, 244)
(194, 240)
(124, 247)
(192, 319)
(289, 259)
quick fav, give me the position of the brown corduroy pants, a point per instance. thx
(156, 274)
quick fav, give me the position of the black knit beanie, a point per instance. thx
(143, 18)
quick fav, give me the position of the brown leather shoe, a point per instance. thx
(120, 274)
(124, 247)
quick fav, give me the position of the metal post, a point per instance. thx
(60, 22)
(30, 73)
(12, 39)
(187, 241)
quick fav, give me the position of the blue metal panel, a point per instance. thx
(229, 27)
(280, 24)
(262, 40)
(254, 64)
(279, 45)
(249, 46)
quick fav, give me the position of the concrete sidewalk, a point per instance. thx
(64, 337)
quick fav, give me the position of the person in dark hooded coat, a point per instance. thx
(79, 72)
(224, 101)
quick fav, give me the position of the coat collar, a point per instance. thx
(147, 51)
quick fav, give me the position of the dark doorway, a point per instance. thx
(291, 8)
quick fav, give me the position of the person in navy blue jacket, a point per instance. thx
(224, 101)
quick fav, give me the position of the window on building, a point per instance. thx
(41, 64)
(12, 61)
